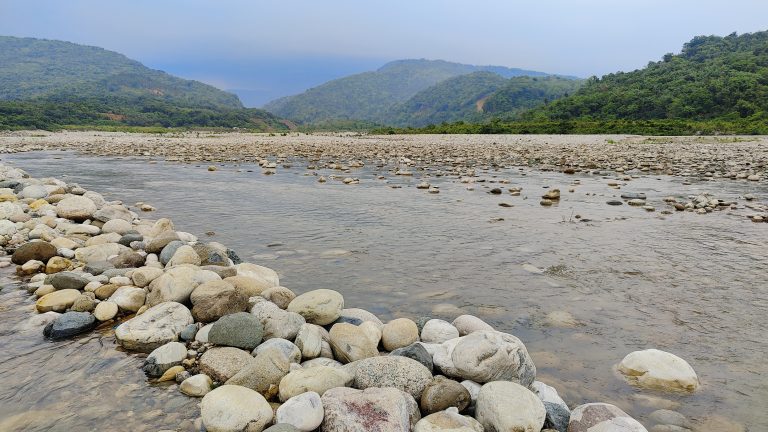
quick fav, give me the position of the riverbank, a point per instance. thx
(448, 321)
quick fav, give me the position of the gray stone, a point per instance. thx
(415, 351)
(358, 316)
(240, 330)
(70, 324)
(129, 238)
(286, 347)
(487, 356)
(189, 332)
(98, 267)
(167, 253)
(392, 371)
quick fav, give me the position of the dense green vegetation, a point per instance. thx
(52, 84)
(371, 96)
(713, 77)
(715, 85)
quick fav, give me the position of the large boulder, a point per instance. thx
(317, 379)
(602, 417)
(660, 370)
(231, 408)
(350, 343)
(240, 330)
(70, 324)
(321, 307)
(263, 373)
(507, 406)
(215, 299)
(486, 356)
(373, 409)
(157, 326)
(77, 208)
(57, 301)
(35, 250)
(277, 322)
(222, 363)
(163, 358)
(393, 371)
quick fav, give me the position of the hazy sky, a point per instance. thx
(276, 47)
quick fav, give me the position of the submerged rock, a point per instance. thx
(657, 369)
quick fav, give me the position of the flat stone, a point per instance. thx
(416, 351)
(57, 301)
(68, 280)
(77, 208)
(249, 286)
(155, 327)
(659, 370)
(70, 324)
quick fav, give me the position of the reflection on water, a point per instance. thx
(690, 284)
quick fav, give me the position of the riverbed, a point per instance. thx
(626, 278)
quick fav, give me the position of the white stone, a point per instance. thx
(317, 379)
(438, 331)
(105, 311)
(508, 406)
(304, 412)
(487, 356)
(129, 298)
(658, 369)
(76, 208)
(286, 347)
(258, 272)
(467, 324)
(157, 326)
(197, 385)
(309, 340)
(231, 408)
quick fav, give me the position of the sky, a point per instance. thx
(265, 49)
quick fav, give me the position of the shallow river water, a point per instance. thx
(694, 285)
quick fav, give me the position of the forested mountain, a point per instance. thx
(479, 96)
(371, 96)
(711, 78)
(49, 84)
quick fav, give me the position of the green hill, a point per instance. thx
(49, 84)
(370, 96)
(711, 78)
(36, 68)
(479, 96)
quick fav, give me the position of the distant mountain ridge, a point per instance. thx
(47, 69)
(372, 96)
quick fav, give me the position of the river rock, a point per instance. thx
(129, 298)
(155, 327)
(33, 251)
(317, 379)
(157, 244)
(103, 292)
(222, 363)
(215, 299)
(68, 280)
(163, 358)
(264, 372)
(117, 226)
(127, 259)
(442, 393)
(143, 276)
(277, 323)
(169, 250)
(239, 330)
(258, 272)
(399, 333)
(358, 316)
(211, 255)
(349, 343)
(448, 421)
(438, 331)
(558, 413)
(184, 255)
(100, 252)
(371, 331)
(393, 371)
(373, 409)
(657, 369)
(105, 311)
(304, 412)
(487, 356)
(175, 285)
(281, 296)
(281, 427)
(108, 212)
(70, 324)
(57, 301)
(231, 408)
(309, 341)
(77, 208)
(286, 347)
(494, 403)
(416, 351)
(321, 307)
(34, 192)
(57, 264)
(467, 324)
(197, 385)
(249, 286)
(84, 303)
(602, 417)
